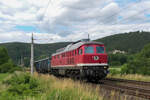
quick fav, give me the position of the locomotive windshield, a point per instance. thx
(99, 49)
(89, 49)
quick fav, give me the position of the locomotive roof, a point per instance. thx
(75, 45)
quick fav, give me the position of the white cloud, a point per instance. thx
(136, 12)
(26, 37)
(66, 20)
(12, 3)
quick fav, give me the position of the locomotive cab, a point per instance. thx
(93, 59)
(93, 55)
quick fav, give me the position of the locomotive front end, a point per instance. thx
(94, 61)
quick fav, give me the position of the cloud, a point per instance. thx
(82, 12)
(26, 37)
(66, 20)
(135, 12)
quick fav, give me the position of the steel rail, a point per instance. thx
(128, 81)
(112, 83)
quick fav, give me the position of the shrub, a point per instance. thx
(140, 64)
(124, 69)
(6, 64)
(117, 59)
(45, 87)
(9, 67)
(22, 85)
(114, 71)
(115, 63)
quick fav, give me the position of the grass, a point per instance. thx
(115, 68)
(51, 88)
(3, 76)
(130, 77)
(67, 89)
(115, 72)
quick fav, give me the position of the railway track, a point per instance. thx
(129, 87)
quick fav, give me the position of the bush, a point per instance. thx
(9, 67)
(6, 64)
(45, 87)
(115, 63)
(114, 71)
(140, 64)
(117, 59)
(6, 67)
(22, 85)
(124, 69)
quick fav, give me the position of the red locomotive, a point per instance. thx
(82, 59)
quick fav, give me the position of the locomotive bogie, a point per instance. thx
(82, 72)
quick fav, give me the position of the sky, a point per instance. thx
(70, 20)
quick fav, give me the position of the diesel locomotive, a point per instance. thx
(83, 59)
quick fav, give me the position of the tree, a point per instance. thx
(140, 64)
(117, 59)
(3, 55)
(6, 64)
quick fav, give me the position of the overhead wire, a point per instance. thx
(115, 14)
(124, 19)
(47, 7)
(130, 16)
(126, 7)
(45, 11)
(120, 11)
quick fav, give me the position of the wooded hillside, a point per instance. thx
(131, 42)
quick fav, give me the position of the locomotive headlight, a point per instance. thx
(105, 67)
(96, 57)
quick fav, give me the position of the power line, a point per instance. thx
(46, 8)
(124, 19)
(45, 11)
(45, 40)
(49, 1)
(131, 16)
(116, 13)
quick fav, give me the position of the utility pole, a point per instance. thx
(89, 36)
(32, 54)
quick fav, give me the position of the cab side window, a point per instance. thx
(80, 51)
(75, 52)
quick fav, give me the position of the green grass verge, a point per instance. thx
(130, 77)
(115, 72)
